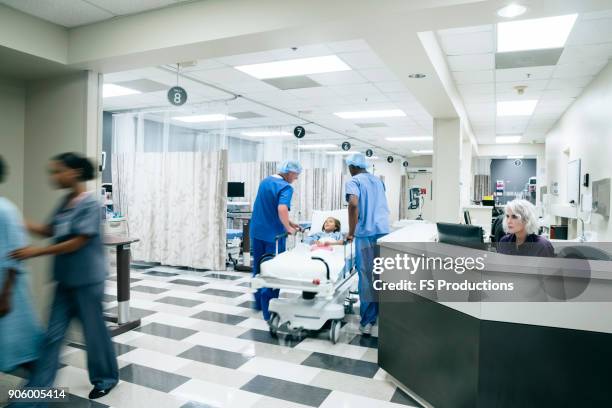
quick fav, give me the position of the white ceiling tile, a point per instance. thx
(362, 60)
(338, 78)
(568, 83)
(561, 93)
(532, 85)
(522, 74)
(390, 86)
(596, 15)
(473, 77)
(579, 69)
(585, 53)
(480, 42)
(477, 89)
(122, 7)
(466, 30)
(355, 90)
(401, 97)
(348, 46)
(304, 51)
(250, 58)
(591, 32)
(475, 62)
(222, 75)
(378, 75)
(67, 13)
(202, 65)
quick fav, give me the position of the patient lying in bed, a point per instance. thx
(329, 235)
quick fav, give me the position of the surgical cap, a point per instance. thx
(290, 166)
(357, 160)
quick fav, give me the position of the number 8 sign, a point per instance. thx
(177, 96)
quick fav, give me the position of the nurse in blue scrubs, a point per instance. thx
(20, 334)
(368, 221)
(79, 267)
(270, 218)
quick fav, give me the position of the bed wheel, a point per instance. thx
(273, 323)
(334, 331)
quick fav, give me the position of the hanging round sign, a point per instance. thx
(405, 163)
(346, 146)
(369, 153)
(390, 159)
(299, 132)
(177, 96)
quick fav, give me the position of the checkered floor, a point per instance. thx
(201, 345)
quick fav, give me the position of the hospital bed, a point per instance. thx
(323, 276)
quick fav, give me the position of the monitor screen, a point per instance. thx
(235, 189)
(461, 234)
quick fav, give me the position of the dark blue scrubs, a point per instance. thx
(80, 279)
(265, 226)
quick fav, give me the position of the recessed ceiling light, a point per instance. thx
(215, 117)
(317, 146)
(295, 67)
(422, 151)
(110, 90)
(339, 152)
(516, 108)
(511, 11)
(266, 133)
(417, 76)
(515, 157)
(391, 113)
(409, 139)
(507, 139)
(534, 34)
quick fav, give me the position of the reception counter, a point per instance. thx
(482, 349)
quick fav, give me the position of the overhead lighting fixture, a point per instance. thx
(515, 157)
(409, 139)
(391, 113)
(507, 139)
(340, 152)
(516, 108)
(534, 34)
(295, 67)
(215, 117)
(318, 146)
(422, 151)
(110, 90)
(417, 76)
(266, 133)
(511, 11)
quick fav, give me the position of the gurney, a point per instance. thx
(323, 276)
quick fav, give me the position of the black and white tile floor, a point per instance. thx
(201, 345)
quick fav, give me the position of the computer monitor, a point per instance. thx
(459, 234)
(235, 189)
(488, 203)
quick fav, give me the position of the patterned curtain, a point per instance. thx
(481, 186)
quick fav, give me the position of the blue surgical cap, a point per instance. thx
(357, 160)
(290, 166)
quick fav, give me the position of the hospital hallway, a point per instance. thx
(200, 344)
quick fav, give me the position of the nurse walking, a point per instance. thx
(20, 334)
(79, 267)
(368, 221)
(271, 218)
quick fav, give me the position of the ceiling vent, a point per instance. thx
(294, 82)
(246, 115)
(523, 59)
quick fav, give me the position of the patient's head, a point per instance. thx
(331, 224)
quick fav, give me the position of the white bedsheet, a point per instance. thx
(298, 264)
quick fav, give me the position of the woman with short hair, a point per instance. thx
(521, 228)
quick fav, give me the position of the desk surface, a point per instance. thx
(115, 240)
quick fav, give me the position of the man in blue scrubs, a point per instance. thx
(271, 218)
(368, 221)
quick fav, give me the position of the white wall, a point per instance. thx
(12, 118)
(447, 170)
(467, 173)
(586, 130)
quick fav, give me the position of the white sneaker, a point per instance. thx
(366, 330)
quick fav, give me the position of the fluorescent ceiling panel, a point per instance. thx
(507, 139)
(422, 151)
(215, 117)
(295, 67)
(318, 146)
(266, 133)
(340, 152)
(110, 90)
(391, 113)
(516, 108)
(409, 139)
(534, 34)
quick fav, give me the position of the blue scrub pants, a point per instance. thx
(366, 250)
(263, 295)
(85, 303)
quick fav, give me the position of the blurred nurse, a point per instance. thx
(20, 334)
(270, 218)
(368, 221)
(79, 267)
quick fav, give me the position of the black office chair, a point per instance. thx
(497, 228)
(584, 252)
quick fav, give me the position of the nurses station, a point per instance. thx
(307, 203)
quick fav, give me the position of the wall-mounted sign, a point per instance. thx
(390, 159)
(518, 162)
(177, 96)
(299, 132)
(369, 153)
(346, 146)
(405, 163)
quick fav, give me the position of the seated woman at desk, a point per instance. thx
(521, 227)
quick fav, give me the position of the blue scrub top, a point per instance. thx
(265, 222)
(87, 265)
(373, 209)
(20, 334)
